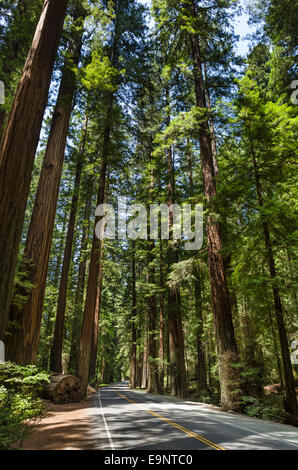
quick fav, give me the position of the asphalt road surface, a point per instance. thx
(129, 420)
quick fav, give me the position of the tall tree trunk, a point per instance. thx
(152, 353)
(15, 47)
(276, 352)
(76, 325)
(25, 120)
(87, 332)
(152, 347)
(211, 126)
(56, 351)
(161, 324)
(176, 340)
(291, 400)
(139, 360)
(224, 330)
(133, 353)
(39, 238)
(168, 354)
(201, 361)
(94, 341)
(198, 284)
(144, 377)
(48, 320)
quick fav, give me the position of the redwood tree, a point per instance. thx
(224, 330)
(22, 133)
(56, 351)
(23, 344)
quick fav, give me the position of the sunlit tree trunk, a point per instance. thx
(78, 313)
(89, 318)
(39, 237)
(224, 330)
(17, 150)
(56, 351)
(176, 339)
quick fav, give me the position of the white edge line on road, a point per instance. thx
(267, 436)
(106, 424)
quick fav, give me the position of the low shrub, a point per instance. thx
(20, 402)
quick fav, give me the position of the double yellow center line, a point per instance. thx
(175, 425)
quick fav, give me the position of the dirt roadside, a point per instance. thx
(64, 427)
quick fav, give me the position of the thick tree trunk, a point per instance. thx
(45, 356)
(176, 339)
(211, 126)
(22, 133)
(14, 47)
(201, 360)
(94, 341)
(88, 326)
(95, 334)
(291, 400)
(78, 313)
(56, 351)
(38, 243)
(224, 330)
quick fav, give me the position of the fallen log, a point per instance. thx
(63, 389)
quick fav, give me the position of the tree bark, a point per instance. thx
(87, 332)
(152, 347)
(24, 121)
(176, 339)
(94, 342)
(211, 126)
(161, 324)
(38, 243)
(201, 361)
(76, 325)
(201, 369)
(224, 330)
(48, 320)
(290, 399)
(56, 351)
(133, 353)
(15, 48)
(144, 381)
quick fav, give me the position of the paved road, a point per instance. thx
(126, 420)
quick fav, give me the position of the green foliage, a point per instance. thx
(260, 408)
(99, 74)
(20, 402)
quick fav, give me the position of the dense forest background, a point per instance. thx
(105, 99)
